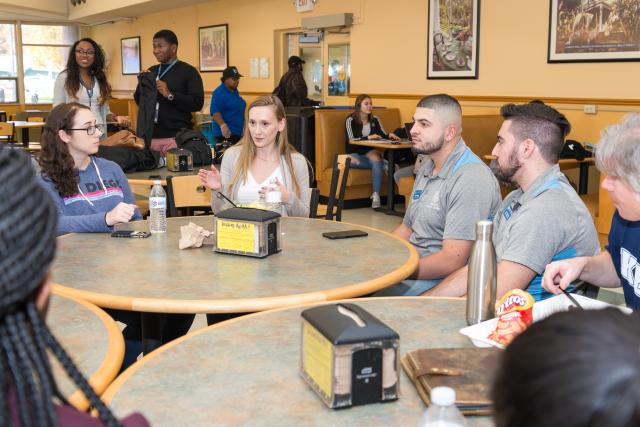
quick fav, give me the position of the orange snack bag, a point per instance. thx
(515, 313)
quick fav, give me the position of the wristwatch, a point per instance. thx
(170, 97)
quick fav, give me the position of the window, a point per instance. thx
(339, 70)
(8, 64)
(45, 49)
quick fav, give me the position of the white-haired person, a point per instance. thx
(617, 156)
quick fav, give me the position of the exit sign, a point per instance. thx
(305, 5)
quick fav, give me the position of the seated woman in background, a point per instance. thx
(85, 81)
(262, 162)
(362, 124)
(92, 194)
(573, 369)
(28, 392)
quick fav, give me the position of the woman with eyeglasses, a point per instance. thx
(92, 193)
(85, 81)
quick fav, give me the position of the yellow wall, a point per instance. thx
(388, 57)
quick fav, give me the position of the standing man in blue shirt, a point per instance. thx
(617, 156)
(227, 108)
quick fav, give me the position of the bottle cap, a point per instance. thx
(484, 229)
(157, 182)
(443, 396)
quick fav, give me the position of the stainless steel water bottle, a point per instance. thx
(481, 278)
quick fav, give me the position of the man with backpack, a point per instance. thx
(292, 89)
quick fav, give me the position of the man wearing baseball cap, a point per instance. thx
(227, 108)
(292, 89)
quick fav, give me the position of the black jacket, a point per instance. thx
(353, 130)
(185, 84)
(292, 90)
(146, 95)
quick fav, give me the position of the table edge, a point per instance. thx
(110, 366)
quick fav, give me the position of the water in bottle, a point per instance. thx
(481, 279)
(443, 411)
(157, 209)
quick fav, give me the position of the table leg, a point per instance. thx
(152, 325)
(583, 182)
(391, 158)
(25, 137)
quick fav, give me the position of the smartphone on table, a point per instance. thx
(344, 234)
(131, 233)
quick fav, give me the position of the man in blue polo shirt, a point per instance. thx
(617, 156)
(227, 108)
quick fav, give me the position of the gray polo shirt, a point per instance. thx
(448, 205)
(546, 223)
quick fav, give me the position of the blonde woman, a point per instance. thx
(262, 162)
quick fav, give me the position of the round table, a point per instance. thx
(147, 177)
(246, 371)
(153, 275)
(91, 338)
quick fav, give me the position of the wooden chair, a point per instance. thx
(6, 132)
(184, 193)
(337, 189)
(37, 119)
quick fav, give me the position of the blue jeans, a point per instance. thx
(376, 169)
(408, 288)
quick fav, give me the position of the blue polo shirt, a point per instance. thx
(231, 106)
(624, 248)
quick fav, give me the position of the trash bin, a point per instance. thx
(301, 130)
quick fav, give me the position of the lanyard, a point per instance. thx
(159, 75)
(166, 70)
(89, 89)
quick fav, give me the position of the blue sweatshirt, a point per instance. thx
(102, 186)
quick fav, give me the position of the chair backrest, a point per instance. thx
(35, 119)
(186, 192)
(331, 133)
(339, 177)
(480, 132)
(6, 131)
(313, 202)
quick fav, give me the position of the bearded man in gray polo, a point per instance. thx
(453, 190)
(542, 221)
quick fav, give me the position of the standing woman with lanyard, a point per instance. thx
(84, 81)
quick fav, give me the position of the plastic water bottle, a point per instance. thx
(443, 411)
(157, 209)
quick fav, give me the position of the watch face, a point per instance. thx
(170, 97)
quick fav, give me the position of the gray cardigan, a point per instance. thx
(297, 206)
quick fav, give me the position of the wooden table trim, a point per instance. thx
(110, 366)
(115, 386)
(381, 145)
(247, 305)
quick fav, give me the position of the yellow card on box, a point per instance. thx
(236, 236)
(318, 358)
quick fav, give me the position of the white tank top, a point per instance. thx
(248, 192)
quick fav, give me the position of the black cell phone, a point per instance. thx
(344, 234)
(130, 233)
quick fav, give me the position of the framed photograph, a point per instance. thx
(214, 47)
(453, 38)
(130, 54)
(591, 31)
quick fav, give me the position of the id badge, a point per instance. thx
(155, 117)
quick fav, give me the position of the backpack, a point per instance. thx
(195, 142)
(128, 159)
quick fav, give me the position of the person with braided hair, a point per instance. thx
(29, 395)
(92, 193)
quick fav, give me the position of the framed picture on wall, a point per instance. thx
(453, 33)
(590, 31)
(214, 47)
(130, 55)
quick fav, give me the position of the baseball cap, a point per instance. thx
(231, 72)
(295, 60)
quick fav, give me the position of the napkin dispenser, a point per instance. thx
(246, 231)
(179, 160)
(348, 356)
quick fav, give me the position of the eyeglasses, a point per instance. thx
(82, 52)
(90, 130)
